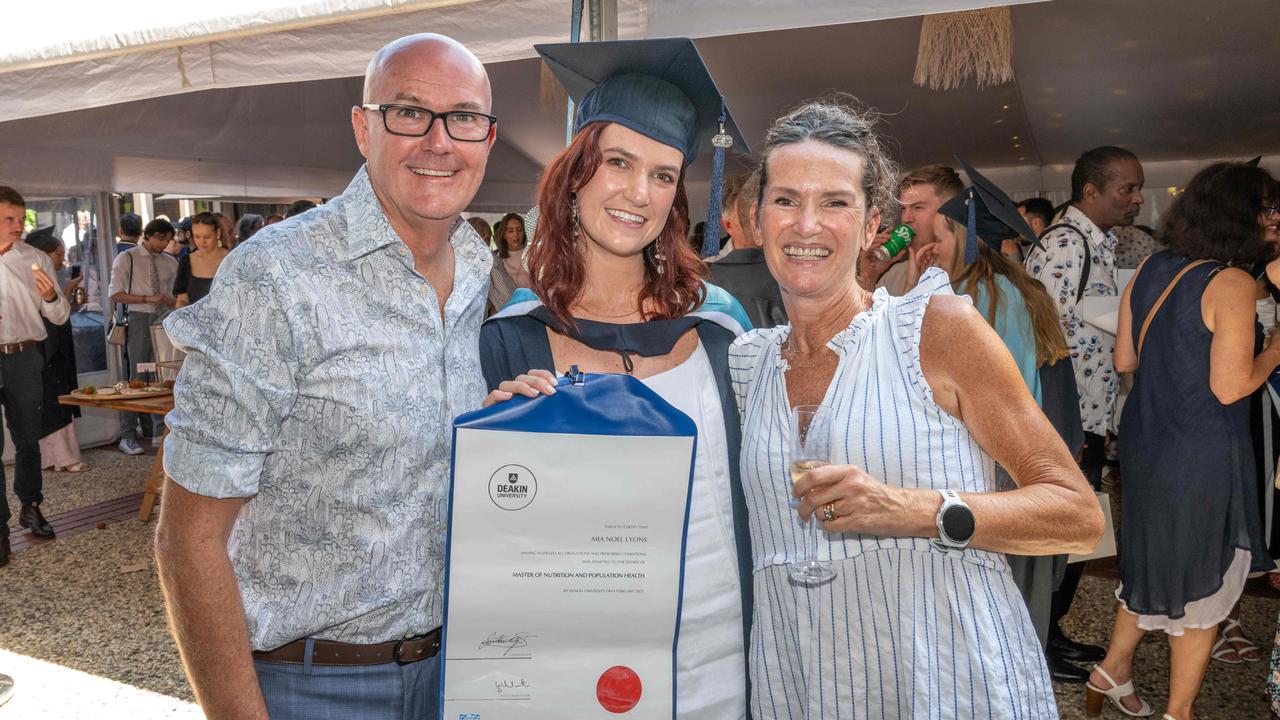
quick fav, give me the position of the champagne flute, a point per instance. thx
(809, 446)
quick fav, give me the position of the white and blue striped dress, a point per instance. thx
(905, 630)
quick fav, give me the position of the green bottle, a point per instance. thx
(899, 239)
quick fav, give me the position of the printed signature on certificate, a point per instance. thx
(506, 641)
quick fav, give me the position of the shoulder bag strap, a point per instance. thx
(1088, 255)
(123, 308)
(1160, 301)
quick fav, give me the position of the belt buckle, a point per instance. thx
(395, 654)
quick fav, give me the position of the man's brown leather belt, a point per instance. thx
(12, 348)
(330, 652)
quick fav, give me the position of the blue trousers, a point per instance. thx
(390, 691)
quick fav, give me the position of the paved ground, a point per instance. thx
(84, 630)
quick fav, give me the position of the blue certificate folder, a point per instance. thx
(583, 405)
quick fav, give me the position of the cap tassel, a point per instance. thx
(971, 242)
(711, 231)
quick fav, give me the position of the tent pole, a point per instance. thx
(575, 35)
(105, 247)
(604, 20)
(602, 24)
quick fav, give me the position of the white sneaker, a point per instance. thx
(129, 446)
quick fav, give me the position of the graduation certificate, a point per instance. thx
(566, 538)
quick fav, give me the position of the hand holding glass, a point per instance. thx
(809, 446)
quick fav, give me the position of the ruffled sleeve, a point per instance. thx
(744, 361)
(908, 319)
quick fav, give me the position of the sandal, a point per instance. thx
(75, 468)
(1237, 645)
(1095, 694)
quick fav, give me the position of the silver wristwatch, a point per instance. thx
(954, 521)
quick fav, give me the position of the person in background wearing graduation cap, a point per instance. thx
(617, 288)
(923, 616)
(59, 447)
(1024, 317)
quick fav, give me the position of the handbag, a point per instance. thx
(116, 332)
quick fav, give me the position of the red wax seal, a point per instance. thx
(618, 689)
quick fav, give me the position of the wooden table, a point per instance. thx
(153, 405)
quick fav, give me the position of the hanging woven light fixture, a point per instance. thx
(955, 46)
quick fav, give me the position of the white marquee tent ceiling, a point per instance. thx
(1171, 79)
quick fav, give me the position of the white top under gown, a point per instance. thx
(710, 665)
(905, 630)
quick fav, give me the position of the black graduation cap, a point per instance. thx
(43, 239)
(987, 212)
(1254, 162)
(659, 88)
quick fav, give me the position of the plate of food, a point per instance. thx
(138, 388)
(132, 389)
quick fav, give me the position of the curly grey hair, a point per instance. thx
(839, 121)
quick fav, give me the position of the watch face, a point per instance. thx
(958, 522)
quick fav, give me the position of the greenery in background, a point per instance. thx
(29, 219)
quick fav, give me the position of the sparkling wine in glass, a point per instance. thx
(809, 447)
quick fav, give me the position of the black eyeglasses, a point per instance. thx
(1270, 211)
(414, 121)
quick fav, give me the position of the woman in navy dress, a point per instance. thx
(1190, 530)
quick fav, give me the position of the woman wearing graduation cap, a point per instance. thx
(971, 229)
(922, 618)
(617, 289)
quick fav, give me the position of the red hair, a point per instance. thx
(557, 266)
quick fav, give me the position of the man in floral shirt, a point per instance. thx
(1078, 261)
(302, 539)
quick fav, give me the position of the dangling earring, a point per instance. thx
(659, 260)
(573, 214)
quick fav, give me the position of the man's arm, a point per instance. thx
(203, 601)
(234, 392)
(127, 299)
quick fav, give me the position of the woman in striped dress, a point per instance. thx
(925, 397)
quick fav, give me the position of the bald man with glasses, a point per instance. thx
(301, 540)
